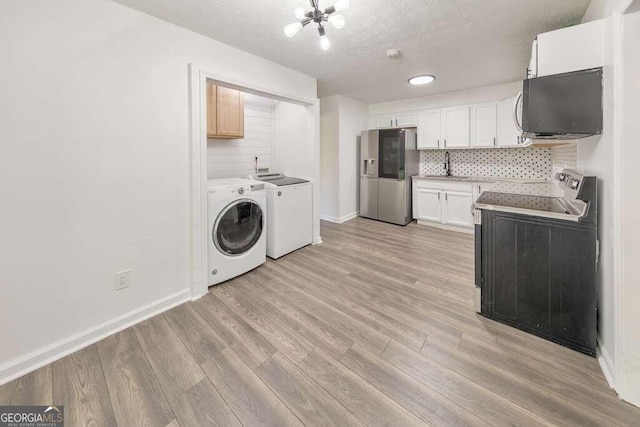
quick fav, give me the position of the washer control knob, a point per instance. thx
(241, 190)
(279, 193)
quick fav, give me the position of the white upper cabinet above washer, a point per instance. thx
(429, 129)
(455, 126)
(484, 124)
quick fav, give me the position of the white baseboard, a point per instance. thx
(52, 352)
(340, 220)
(446, 227)
(606, 363)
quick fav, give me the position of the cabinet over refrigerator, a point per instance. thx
(388, 159)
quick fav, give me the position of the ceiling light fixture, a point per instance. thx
(319, 17)
(421, 80)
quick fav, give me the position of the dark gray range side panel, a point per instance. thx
(539, 275)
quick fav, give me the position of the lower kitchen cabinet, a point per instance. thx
(539, 276)
(445, 203)
(456, 209)
(426, 205)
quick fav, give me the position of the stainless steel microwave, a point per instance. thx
(563, 106)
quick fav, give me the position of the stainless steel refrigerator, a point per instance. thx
(388, 160)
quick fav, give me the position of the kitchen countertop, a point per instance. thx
(532, 187)
(480, 179)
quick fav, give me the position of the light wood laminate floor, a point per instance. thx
(374, 327)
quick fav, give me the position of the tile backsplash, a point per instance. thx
(564, 157)
(529, 162)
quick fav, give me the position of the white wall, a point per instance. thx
(236, 157)
(599, 9)
(329, 160)
(472, 96)
(94, 167)
(630, 207)
(295, 154)
(342, 120)
(596, 156)
(353, 120)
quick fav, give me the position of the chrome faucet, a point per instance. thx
(447, 164)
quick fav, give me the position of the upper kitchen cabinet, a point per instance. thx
(225, 112)
(484, 124)
(400, 120)
(406, 120)
(429, 129)
(580, 47)
(455, 126)
(384, 121)
(508, 134)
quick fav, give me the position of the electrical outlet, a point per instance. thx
(123, 279)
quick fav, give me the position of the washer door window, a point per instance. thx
(238, 227)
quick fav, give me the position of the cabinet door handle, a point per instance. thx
(446, 196)
(445, 142)
(479, 189)
(438, 143)
(494, 140)
(438, 195)
(391, 123)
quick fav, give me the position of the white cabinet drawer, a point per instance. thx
(443, 185)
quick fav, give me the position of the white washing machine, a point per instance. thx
(289, 213)
(237, 218)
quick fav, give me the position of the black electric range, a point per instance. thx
(536, 261)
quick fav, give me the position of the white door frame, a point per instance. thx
(198, 237)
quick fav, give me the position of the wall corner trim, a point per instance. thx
(57, 350)
(606, 363)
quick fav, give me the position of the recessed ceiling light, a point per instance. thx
(421, 80)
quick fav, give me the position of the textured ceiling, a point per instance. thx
(464, 43)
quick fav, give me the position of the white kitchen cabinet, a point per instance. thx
(429, 129)
(456, 209)
(508, 134)
(406, 120)
(427, 205)
(455, 126)
(385, 121)
(569, 49)
(398, 120)
(444, 204)
(484, 124)
(479, 188)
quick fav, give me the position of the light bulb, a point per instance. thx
(341, 5)
(292, 29)
(300, 12)
(337, 21)
(325, 44)
(421, 80)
